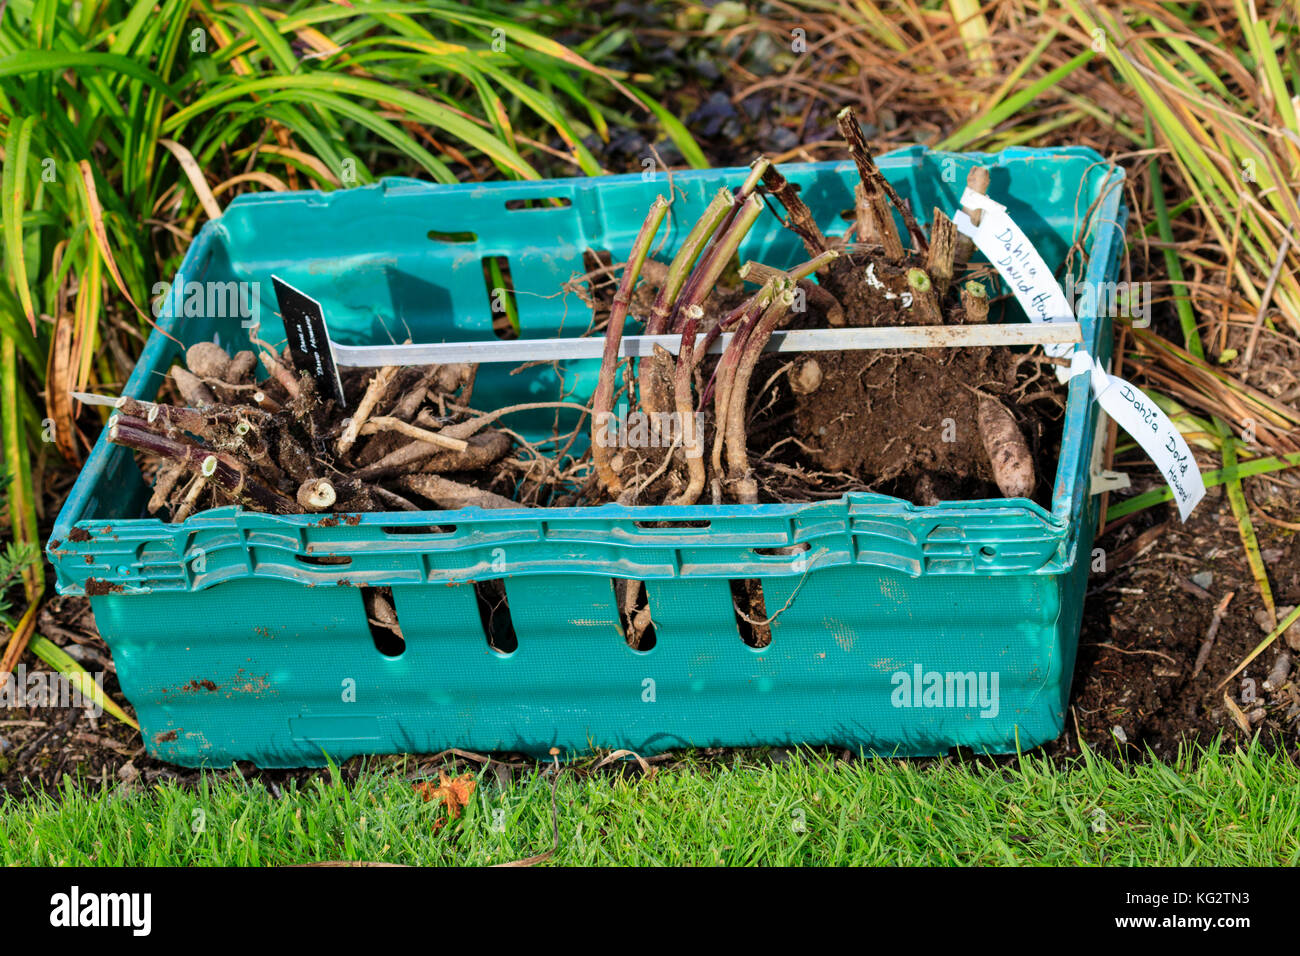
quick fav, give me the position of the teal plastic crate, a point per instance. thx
(901, 629)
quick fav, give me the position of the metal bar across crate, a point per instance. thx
(640, 346)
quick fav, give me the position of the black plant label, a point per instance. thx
(309, 339)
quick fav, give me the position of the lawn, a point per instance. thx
(1212, 807)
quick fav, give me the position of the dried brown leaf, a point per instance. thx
(452, 791)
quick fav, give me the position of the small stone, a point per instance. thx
(1118, 733)
(1203, 579)
(127, 772)
(1277, 674)
(1256, 715)
(778, 139)
(4, 745)
(806, 377)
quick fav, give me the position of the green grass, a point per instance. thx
(1206, 808)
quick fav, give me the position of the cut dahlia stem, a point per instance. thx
(733, 319)
(222, 469)
(746, 316)
(817, 294)
(925, 304)
(943, 247)
(235, 426)
(374, 394)
(874, 182)
(265, 402)
(316, 495)
(718, 211)
(799, 217)
(759, 274)
(756, 170)
(864, 216)
(739, 475)
(706, 274)
(684, 261)
(602, 401)
(975, 300)
(719, 387)
(880, 228)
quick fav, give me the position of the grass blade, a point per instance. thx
(1186, 318)
(1149, 499)
(15, 186)
(1241, 511)
(62, 662)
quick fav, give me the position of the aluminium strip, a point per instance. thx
(639, 346)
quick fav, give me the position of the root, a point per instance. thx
(287, 379)
(375, 393)
(1013, 466)
(451, 495)
(191, 388)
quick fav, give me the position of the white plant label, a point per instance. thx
(1135, 412)
(1040, 295)
(1018, 262)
